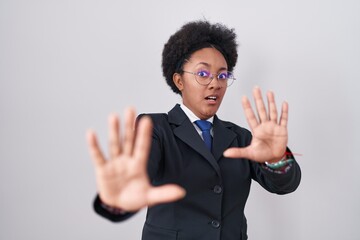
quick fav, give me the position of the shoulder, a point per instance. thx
(155, 117)
(159, 120)
(241, 132)
(234, 127)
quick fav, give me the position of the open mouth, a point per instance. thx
(211, 99)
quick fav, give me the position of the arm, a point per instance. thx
(122, 180)
(268, 144)
(280, 181)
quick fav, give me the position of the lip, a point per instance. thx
(212, 98)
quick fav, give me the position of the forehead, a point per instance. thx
(208, 56)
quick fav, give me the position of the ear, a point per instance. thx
(177, 79)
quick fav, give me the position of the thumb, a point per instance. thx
(237, 152)
(164, 194)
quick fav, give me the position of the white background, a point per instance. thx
(65, 65)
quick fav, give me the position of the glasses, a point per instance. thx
(204, 78)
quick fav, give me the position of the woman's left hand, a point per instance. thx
(269, 135)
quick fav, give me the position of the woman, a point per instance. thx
(192, 170)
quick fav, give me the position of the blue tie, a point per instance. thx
(205, 127)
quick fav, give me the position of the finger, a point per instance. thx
(164, 194)
(143, 140)
(249, 113)
(94, 149)
(114, 136)
(236, 152)
(129, 131)
(272, 107)
(260, 106)
(284, 114)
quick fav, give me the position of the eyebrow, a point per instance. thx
(208, 65)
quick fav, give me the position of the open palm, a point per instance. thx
(269, 135)
(122, 180)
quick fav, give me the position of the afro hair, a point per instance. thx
(194, 36)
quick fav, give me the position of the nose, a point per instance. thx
(215, 83)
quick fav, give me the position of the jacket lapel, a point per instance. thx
(223, 137)
(185, 131)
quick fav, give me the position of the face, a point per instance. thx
(203, 101)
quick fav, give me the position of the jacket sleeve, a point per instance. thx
(112, 215)
(272, 181)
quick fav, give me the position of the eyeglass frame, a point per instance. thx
(211, 77)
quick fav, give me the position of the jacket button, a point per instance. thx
(217, 189)
(215, 224)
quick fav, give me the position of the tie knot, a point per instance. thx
(203, 125)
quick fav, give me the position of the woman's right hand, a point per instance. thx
(122, 180)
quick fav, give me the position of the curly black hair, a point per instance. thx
(194, 36)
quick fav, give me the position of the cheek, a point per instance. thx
(192, 91)
(224, 91)
(193, 96)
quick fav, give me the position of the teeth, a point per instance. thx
(211, 98)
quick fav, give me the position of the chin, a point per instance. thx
(209, 114)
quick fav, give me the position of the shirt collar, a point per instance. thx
(192, 116)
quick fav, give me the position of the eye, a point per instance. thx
(203, 74)
(223, 75)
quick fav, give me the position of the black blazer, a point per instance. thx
(217, 187)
